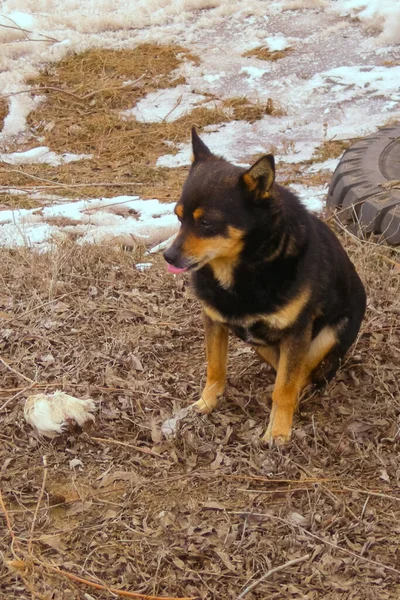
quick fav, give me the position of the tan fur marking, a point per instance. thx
(212, 313)
(251, 183)
(217, 356)
(288, 314)
(179, 211)
(290, 379)
(298, 358)
(198, 213)
(269, 354)
(320, 346)
(223, 271)
(219, 251)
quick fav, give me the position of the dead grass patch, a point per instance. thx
(8, 201)
(84, 96)
(186, 524)
(243, 110)
(263, 53)
(3, 112)
(332, 149)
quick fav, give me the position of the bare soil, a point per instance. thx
(208, 512)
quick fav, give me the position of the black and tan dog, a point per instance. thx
(265, 268)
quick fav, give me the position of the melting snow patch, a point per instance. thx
(126, 220)
(276, 43)
(327, 165)
(312, 197)
(19, 107)
(166, 105)
(254, 72)
(41, 155)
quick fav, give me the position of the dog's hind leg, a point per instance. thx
(217, 356)
(298, 358)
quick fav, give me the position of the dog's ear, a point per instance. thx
(200, 150)
(260, 178)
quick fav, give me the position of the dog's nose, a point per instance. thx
(170, 255)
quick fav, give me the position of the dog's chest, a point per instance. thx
(256, 330)
(257, 334)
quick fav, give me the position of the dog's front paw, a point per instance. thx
(279, 427)
(204, 406)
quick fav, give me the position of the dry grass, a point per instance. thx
(263, 53)
(8, 201)
(84, 96)
(242, 109)
(332, 149)
(3, 112)
(86, 321)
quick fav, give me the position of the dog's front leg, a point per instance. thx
(217, 355)
(292, 376)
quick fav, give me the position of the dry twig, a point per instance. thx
(317, 537)
(290, 563)
(10, 368)
(118, 443)
(38, 504)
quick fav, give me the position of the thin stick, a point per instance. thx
(317, 537)
(9, 527)
(71, 94)
(99, 586)
(37, 307)
(117, 443)
(267, 480)
(10, 368)
(58, 184)
(25, 389)
(285, 491)
(7, 518)
(271, 572)
(24, 31)
(44, 458)
(377, 494)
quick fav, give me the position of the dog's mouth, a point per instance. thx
(194, 266)
(176, 270)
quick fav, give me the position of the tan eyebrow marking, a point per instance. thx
(198, 213)
(179, 211)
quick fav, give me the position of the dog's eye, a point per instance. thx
(206, 224)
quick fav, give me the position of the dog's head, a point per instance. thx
(219, 205)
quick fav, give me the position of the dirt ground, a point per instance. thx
(210, 511)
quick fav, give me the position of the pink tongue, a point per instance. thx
(175, 270)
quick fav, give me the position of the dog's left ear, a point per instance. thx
(260, 178)
(200, 150)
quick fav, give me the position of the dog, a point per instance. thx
(268, 270)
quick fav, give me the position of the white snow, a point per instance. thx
(276, 42)
(254, 72)
(41, 155)
(379, 16)
(166, 105)
(19, 107)
(313, 197)
(126, 220)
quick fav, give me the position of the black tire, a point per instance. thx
(356, 191)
